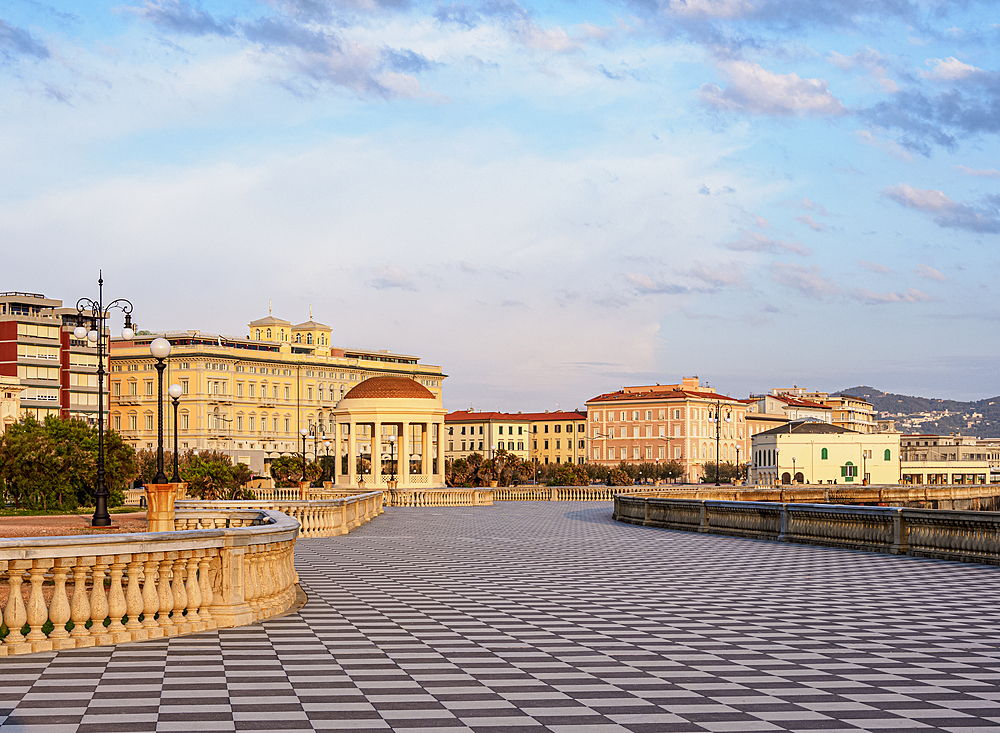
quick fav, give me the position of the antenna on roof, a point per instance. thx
(268, 306)
(310, 312)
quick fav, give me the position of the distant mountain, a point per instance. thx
(980, 418)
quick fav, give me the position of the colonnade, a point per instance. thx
(351, 441)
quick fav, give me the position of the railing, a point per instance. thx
(108, 589)
(971, 496)
(969, 536)
(556, 493)
(318, 518)
(440, 497)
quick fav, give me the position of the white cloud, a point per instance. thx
(811, 223)
(724, 275)
(644, 284)
(871, 61)
(710, 8)
(392, 275)
(978, 172)
(912, 295)
(889, 147)
(874, 267)
(757, 242)
(929, 273)
(949, 214)
(948, 70)
(807, 280)
(756, 90)
(922, 199)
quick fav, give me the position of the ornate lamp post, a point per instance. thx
(717, 418)
(303, 433)
(160, 349)
(326, 461)
(175, 391)
(392, 456)
(96, 334)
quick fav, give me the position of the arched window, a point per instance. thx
(269, 334)
(888, 454)
(257, 337)
(298, 338)
(824, 454)
(309, 338)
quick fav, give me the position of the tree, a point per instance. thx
(53, 465)
(569, 474)
(287, 470)
(618, 477)
(212, 476)
(727, 472)
(670, 470)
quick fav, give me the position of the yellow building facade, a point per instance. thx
(558, 437)
(809, 452)
(248, 397)
(469, 432)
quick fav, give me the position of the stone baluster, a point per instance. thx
(59, 612)
(14, 614)
(117, 607)
(193, 594)
(150, 598)
(37, 614)
(180, 595)
(99, 601)
(134, 605)
(80, 605)
(166, 596)
(205, 585)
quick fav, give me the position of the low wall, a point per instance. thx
(440, 497)
(318, 518)
(968, 536)
(70, 592)
(946, 496)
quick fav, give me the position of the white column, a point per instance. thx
(376, 452)
(351, 450)
(425, 447)
(403, 457)
(439, 474)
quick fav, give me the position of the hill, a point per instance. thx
(979, 418)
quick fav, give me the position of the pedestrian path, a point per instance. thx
(551, 618)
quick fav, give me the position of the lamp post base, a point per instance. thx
(160, 499)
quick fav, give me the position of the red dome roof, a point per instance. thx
(389, 387)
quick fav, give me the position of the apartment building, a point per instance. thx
(249, 397)
(56, 371)
(468, 431)
(948, 459)
(558, 437)
(662, 422)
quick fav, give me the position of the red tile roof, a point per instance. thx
(661, 394)
(389, 387)
(469, 415)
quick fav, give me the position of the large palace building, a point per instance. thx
(249, 397)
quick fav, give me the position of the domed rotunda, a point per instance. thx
(389, 429)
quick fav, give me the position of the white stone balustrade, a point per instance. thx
(318, 518)
(413, 497)
(948, 534)
(70, 592)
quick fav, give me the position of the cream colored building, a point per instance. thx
(248, 397)
(10, 402)
(394, 428)
(948, 459)
(470, 432)
(810, 452)
(656, 423)
(558, 437)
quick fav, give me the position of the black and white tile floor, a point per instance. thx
(550, 617)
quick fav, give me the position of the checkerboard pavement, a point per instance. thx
(552, 618)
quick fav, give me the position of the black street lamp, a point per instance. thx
(160, 349)
(98, 314)
(392, 457)
(717, 418)
(326, 461)
(303, 433)
(175, 391)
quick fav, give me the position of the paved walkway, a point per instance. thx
(536, 617)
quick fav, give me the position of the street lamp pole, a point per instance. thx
(392, 457)
(326, 461)
(160, 349)
(96, 334)
(175, 391)
(717, 419)
(304, 433)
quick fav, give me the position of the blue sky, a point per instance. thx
(549, 200)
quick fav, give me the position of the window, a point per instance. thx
(888, 454)
(557, 428)
(239, 423)
(288, 394)
(239, 389)
(149, 389)
(824, 454)
(250, 423)
(662, 412)
(677, 414)
(149, 421)
(849, 471)
(133, 423)
(118, 422)
(185, 386)
(288, 425)
(582, 445)
(557, 445)
(546, 428)
(520, 445)
(534, 444)
(649, 414)
(116, 388)
(635, 414)
(309, 393)
(546, 445)
(463, 430)
(519, 429)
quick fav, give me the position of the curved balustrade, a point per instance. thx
(69, 592)
(441, 497)
(318, 518)
(970, 536)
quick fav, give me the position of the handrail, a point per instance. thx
(110, 589)
(969, 536)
